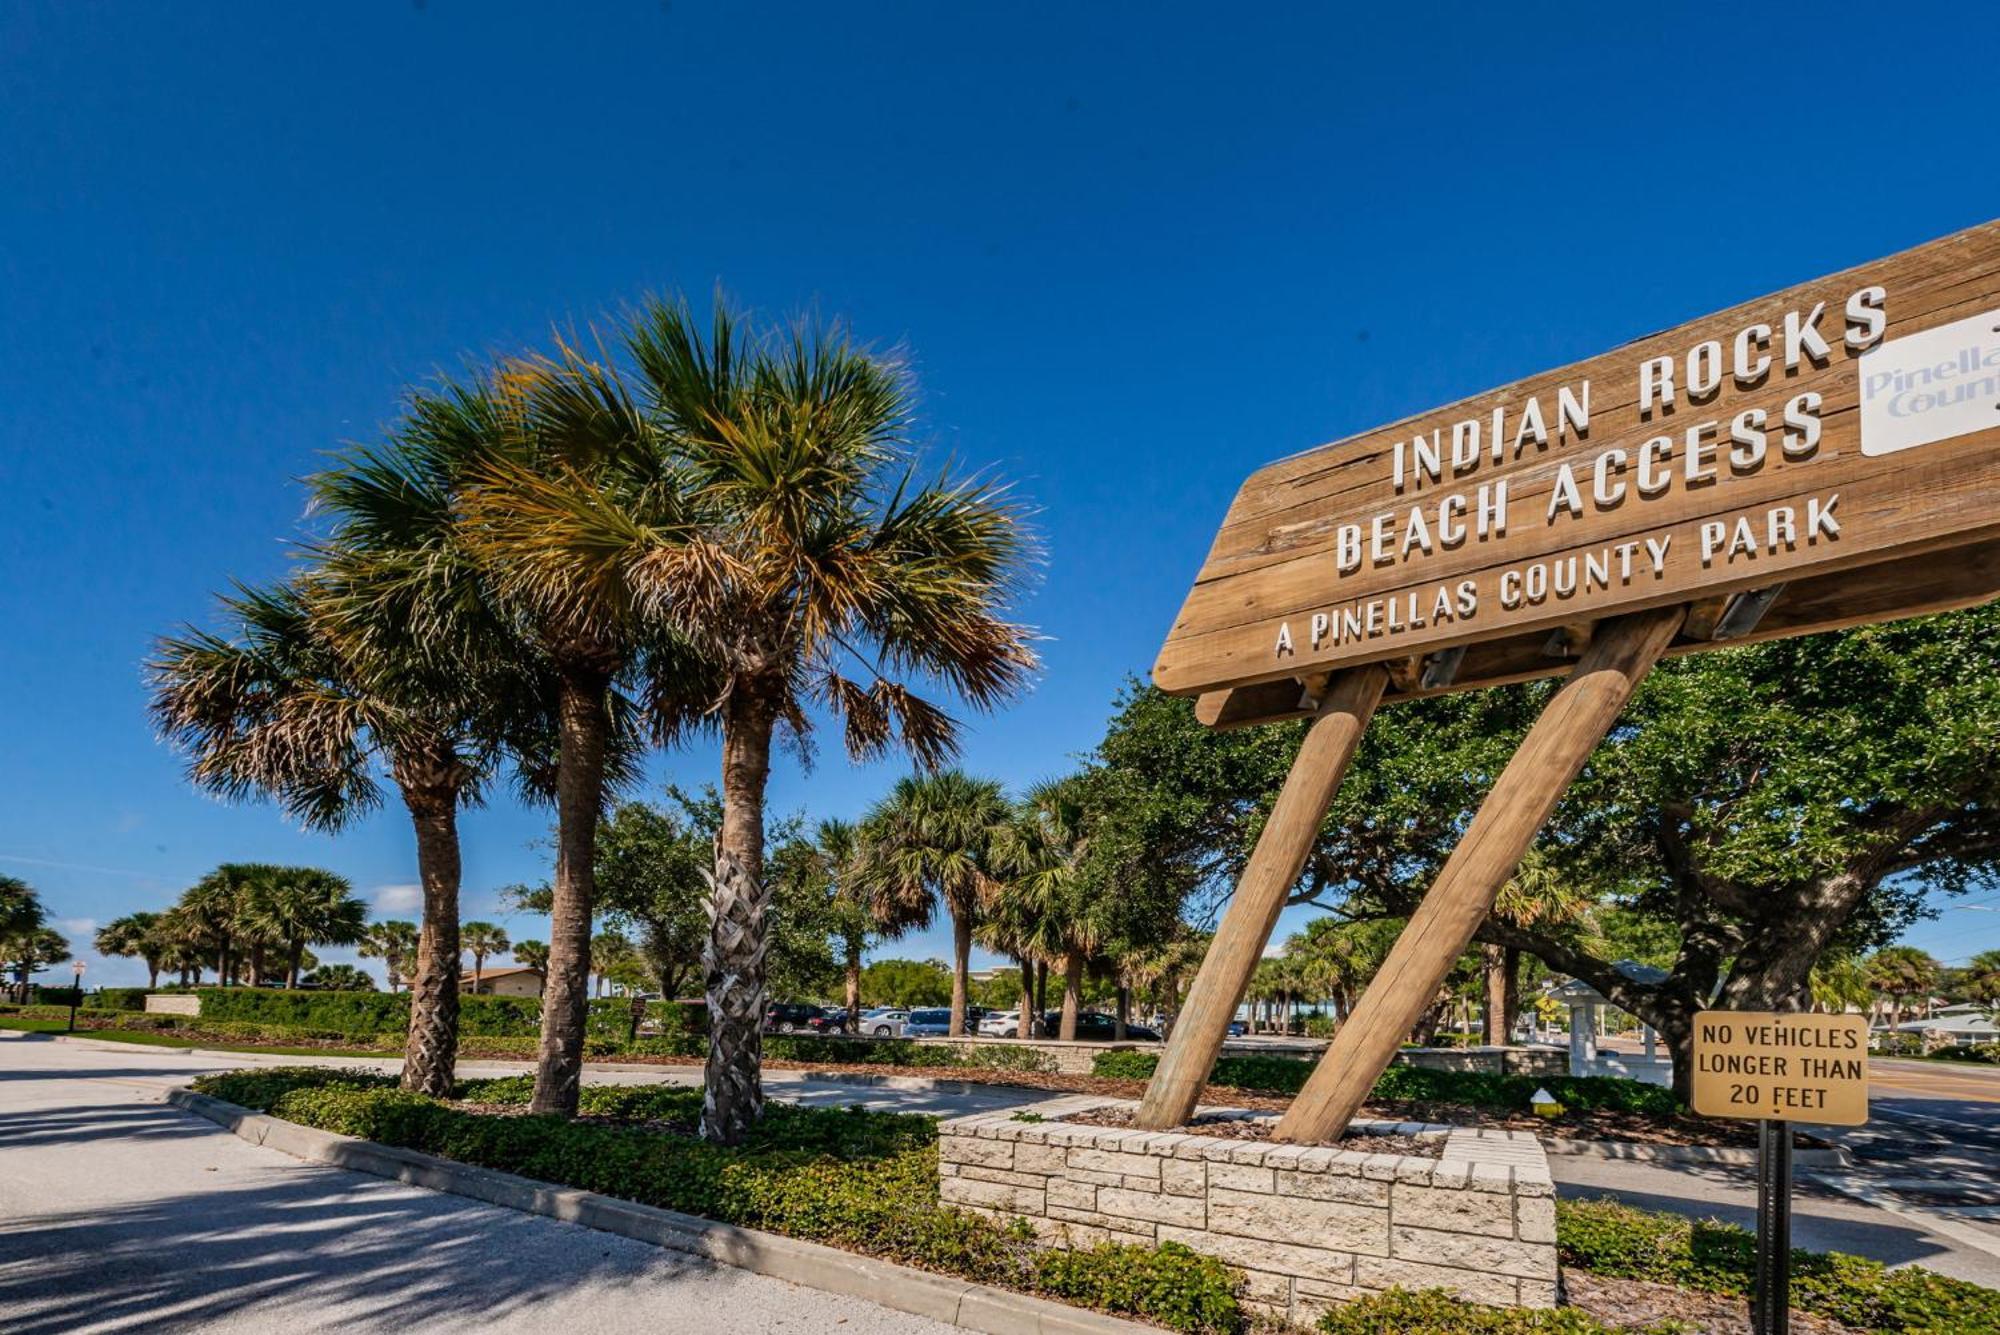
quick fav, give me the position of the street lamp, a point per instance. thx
(75, 994)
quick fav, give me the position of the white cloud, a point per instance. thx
(83, 927)
(398, 898)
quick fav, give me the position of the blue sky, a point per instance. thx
(1133, 250)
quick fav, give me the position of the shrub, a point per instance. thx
(121, 998)
(1621, 1241)
(611, 1019)
(1435, 1312)
(1900, 1045)
(1287, 1075)
(1988, 1053)
(363, 1013)
(863, 1180)
(676, 1019)
(903, 1052)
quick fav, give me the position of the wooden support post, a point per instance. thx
(1569, 729)
(1344, 710)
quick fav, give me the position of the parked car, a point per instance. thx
(1097, 1027)
(1001, 1024)
(832, 1021)
(1237, 1029)
(930, 1022)
(884, 1022)
(788, 1017)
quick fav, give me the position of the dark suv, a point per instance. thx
(1097, 1027)
(788, 1017)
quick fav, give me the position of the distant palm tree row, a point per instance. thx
(248, 921)
(552, 563)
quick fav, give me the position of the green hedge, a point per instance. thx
(362, 1013)
(864, 1181)
(1435, 1312)
(1287, 1075)
(1608, 1238)
(121, 998)
(1989, 1053)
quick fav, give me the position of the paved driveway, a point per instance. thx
(120, 1213)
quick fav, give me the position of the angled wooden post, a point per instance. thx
(1576, 718)
(1345, 708)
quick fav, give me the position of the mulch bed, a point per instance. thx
(1244, 1128)
(1636, 1304)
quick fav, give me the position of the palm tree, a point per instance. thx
(533, 955)
(340, 978)
(1038, 855)
(134, 936)
(751, 521)
(930, 842)
(305, 906)
(482, 939)
(213, 914)
(395, 944)
(387, 651)
(574, 509)
(1899, 973)
(608, 951)
(1535, 895)
(833, 852)
(26, 951)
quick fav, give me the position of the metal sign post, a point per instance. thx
(1771, 1314)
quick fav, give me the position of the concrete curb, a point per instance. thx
(955, 1302)
(1836, 1157)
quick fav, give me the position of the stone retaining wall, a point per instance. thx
(1310, 1226)
(1490, 1061)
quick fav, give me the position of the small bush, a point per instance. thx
(1621, 1241)
(1435, 1312)
(1989, 1053)
(121, 998)
(852, 1178)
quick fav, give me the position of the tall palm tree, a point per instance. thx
(1038, 855)
(135, 936)
(532, 955)
(574, 509)
(20, 907)
(215, 913)
(394, 943)
(1535, 895)
(930, 843)
(26, 951)
(833, 852)
(482, 939)
(388, 650)
(751, 518)
(305, 906)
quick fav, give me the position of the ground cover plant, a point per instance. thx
(1620, 1241)
(864, 1181)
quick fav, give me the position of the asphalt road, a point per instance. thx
(119, 1213)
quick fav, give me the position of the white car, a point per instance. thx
(1001, 1024)
(884, 1021)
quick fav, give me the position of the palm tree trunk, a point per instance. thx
(1026, 1028)
(1072, 994)
(734, 1097)
(853, 992)
(961, 968)
(1494, 959)
(152, 975)
(295, 958)
(1041, 990)
(1124, 1015)
(430, 1048)
(583, 723)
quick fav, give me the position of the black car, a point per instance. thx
(832, 1021)
(788, 1017)
(1097, 1027)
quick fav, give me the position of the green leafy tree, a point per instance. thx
(611, 953)
(906, 983)
(395, 943)
(1982, 980)
(482, 939)
(304, 906)
(1038, 856)
(929, 843)
(339, 978)
(27, 946)
(532, 955)
(20, 907)
(1763, 806)
(135, 936)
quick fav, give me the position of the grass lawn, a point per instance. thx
(154, 1039)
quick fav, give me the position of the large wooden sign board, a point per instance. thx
(1839, 440)
(1781, 1067)
(1819, 458)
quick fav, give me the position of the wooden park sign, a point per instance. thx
(1824, 457)
(1781, 1067)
